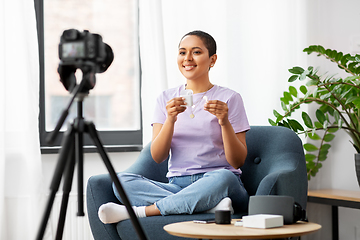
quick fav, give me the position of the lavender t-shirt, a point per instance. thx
(197, 144)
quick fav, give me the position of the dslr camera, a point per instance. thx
(85, 51)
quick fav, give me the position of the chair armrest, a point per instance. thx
(289, 182)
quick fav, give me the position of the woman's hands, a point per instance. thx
(234, 143)
(174, 107)
(219, 109)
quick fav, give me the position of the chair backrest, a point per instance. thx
(147, 167)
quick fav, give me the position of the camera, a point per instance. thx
(83, 50)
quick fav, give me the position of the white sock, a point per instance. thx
(113, 213)
(224, 204)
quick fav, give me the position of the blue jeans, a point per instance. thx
(185, 194)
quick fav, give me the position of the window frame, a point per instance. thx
(113, 141)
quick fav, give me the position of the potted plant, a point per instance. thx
(338, 106)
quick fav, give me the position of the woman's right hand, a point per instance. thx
(174, 107)
(163, 133)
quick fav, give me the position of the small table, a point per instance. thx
(335, 198)
(229, 231)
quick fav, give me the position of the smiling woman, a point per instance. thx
(207, 146)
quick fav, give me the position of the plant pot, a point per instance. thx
(357, 166)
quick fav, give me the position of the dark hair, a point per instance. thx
(207, 39)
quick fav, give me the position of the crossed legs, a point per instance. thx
(216, 190)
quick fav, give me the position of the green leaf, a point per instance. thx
(310, 49)
(325, 146)
(323, 151)
(318, 125)
(283, 99)
(276, 114)
(307, 120)
(279, 118)
(303, 89)
(320, 116)
(340, 123)
(350, 58)
(283, 105)
(272, 123)
(295, 125)
(336, 115)
(314, 136)
(333, 53)
(310, 147)
(338, 56)
(325, 96)
(329, 137)
(351, 99)
(356, 103)
(293, 78)
(288, 96)
(322, 157)
(285, 124)
(309, 157)
(321, 49)
(323, 154)
(345, 93)
(296, 70)
(293, 91)
(332, 130)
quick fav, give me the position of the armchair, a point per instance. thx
(275, 165)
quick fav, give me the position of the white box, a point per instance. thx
(263, 221)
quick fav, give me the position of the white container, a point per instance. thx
(263, 221)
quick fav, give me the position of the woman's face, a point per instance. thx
(193, 58)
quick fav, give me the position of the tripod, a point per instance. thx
(71, 153)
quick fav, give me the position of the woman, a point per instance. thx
(207, 143)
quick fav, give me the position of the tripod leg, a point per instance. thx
(80, 158)
(93, 133)
(67, 142)
(69, 173)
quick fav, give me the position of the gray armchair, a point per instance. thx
(275, 165)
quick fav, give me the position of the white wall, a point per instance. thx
(333, 24)
(258, 41)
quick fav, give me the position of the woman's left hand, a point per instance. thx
(219, 109)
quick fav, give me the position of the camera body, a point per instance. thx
(85, 51)
(78, 49)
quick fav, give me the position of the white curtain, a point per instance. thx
(257, 40)
(153, 66)
(20, 159)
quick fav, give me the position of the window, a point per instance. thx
(114, 103)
